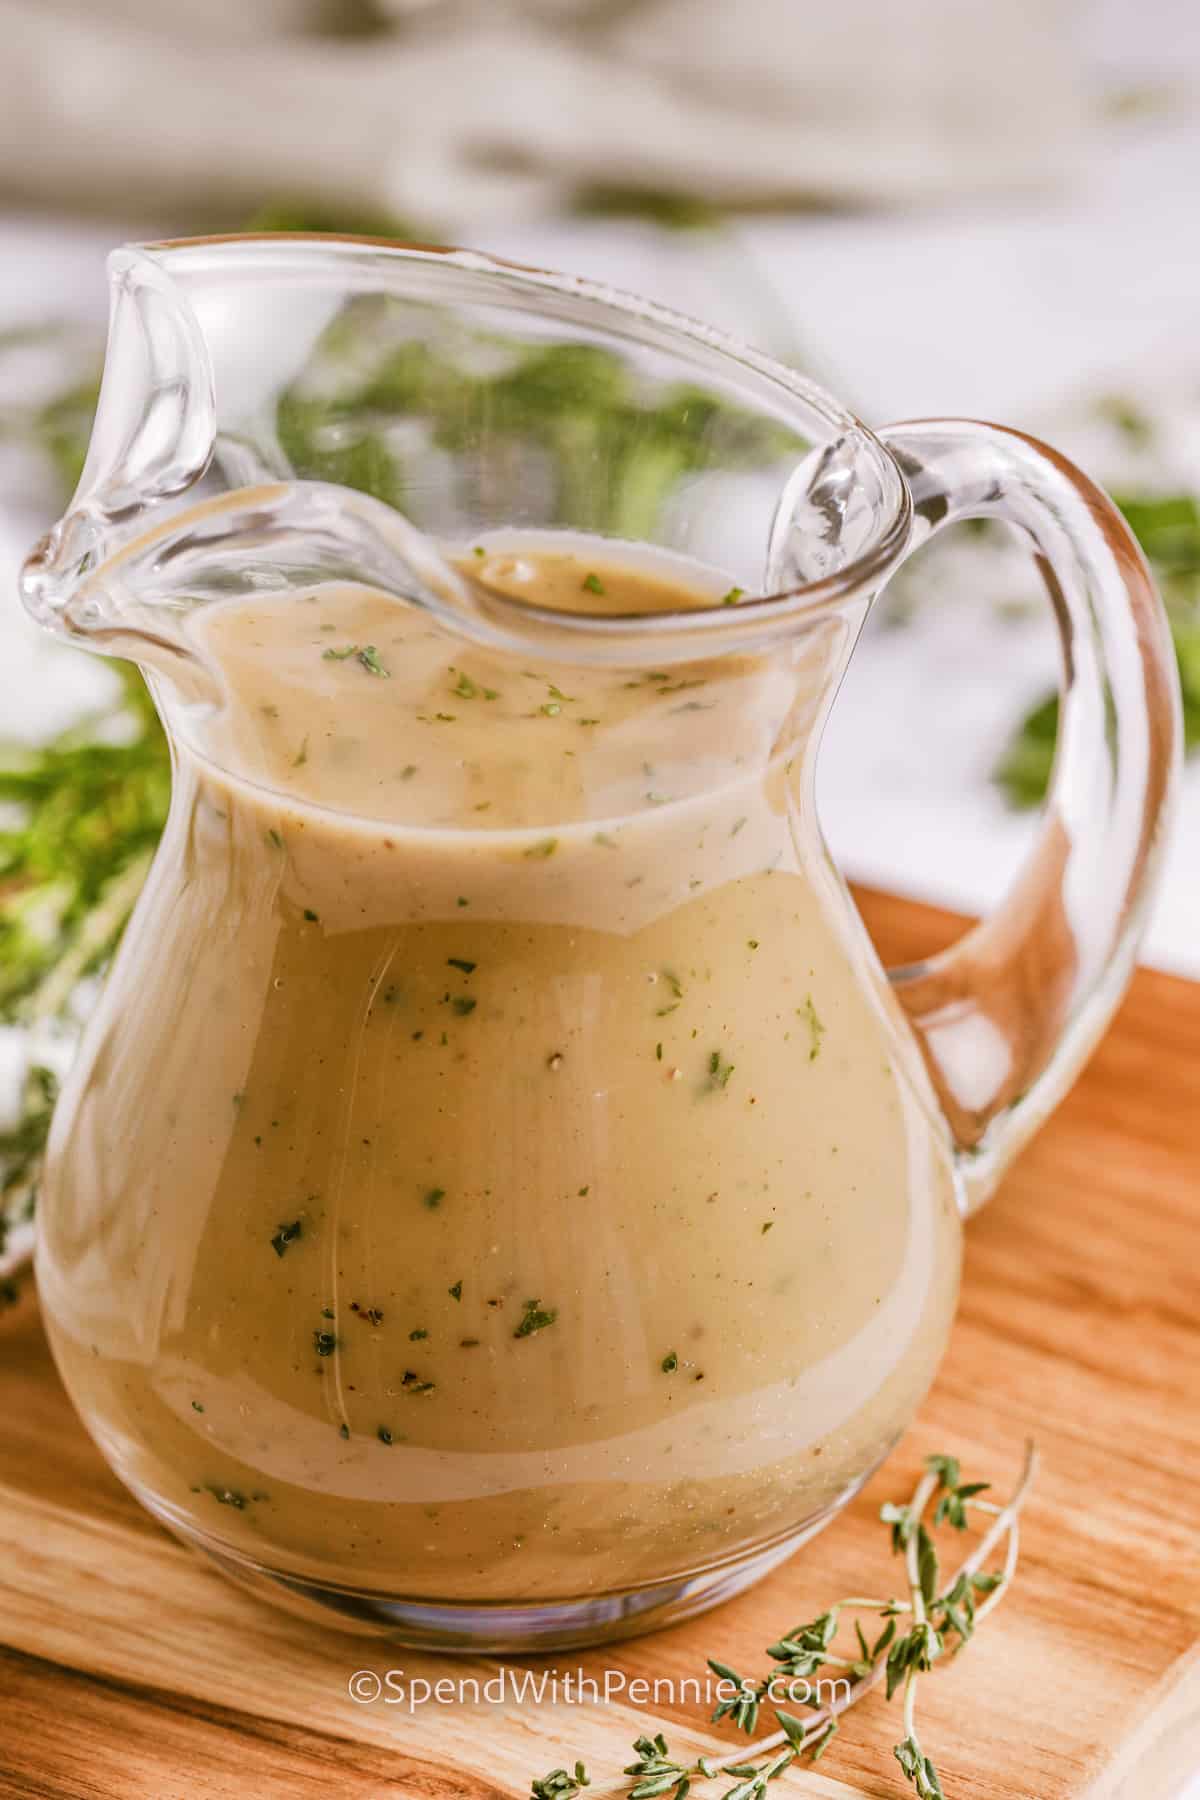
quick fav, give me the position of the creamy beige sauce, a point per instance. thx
(497, 1169)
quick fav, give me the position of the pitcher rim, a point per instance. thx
(870, 566)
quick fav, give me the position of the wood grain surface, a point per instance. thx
(130, 1670)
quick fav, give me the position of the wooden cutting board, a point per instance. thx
(130, 1669)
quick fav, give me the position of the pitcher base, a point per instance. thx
(508, 1627)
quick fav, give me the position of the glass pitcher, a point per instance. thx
(501, 1201)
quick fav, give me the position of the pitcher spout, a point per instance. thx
(152, 441)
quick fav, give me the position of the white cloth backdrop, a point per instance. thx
(460, 111)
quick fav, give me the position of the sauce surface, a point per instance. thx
(496, 1170)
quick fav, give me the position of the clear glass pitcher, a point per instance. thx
(501, 1200)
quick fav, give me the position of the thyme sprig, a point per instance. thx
(937, 1618)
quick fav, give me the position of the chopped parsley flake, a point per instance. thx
(366, 654)
(815, 1029)
(287, 1234)
(434, 1198)
(227, 1497)
(455, 1292)
(670, 1363)
(535, 1318)
(460, 962)
(592, 584)
(312, 917)
(545, 848)
(732, 597)
(463, 1004)
(719, 1070)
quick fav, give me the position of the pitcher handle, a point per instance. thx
(1006, 1016)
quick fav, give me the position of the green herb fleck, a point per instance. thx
(225, 1496)
(343, 1430)
(408, 771)
(384, 1435)
(324, 1342)
(465, 688)
(464, 1004)
(535, 1318)
(312, 917)
(592, 584)
(658, 1052)
(301, 756)
(366, 654)
(196, 1406)
(274, 838)
(287, 1234)
(460, 962)
(670, 1363)
(434, 1198)
(732, 597)
(719, 1070)
(545, 848)
(414, 1337)
(816, 1031)
(455, 1292)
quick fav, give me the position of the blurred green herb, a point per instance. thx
(81, 817)
(1167, 527)
(312, 219)
(382, 391)
(658, 206)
